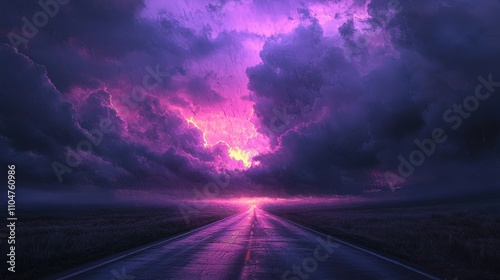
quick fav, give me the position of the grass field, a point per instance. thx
(454, 240)
(54, 240)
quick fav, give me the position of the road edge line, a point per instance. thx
(362, 249)
(140, 249)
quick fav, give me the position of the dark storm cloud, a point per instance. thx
(157, 150)
(46, 120)
(337, 110)
(53, 98)
(93, 43)
(364, 114)
(36, 122)
(39, 128)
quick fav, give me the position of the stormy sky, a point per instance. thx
(345, 97)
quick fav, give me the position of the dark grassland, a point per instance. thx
(55, 240)
(458, 240)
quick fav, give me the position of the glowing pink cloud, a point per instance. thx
(231, 122)
(239, 134)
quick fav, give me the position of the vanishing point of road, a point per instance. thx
(250, 245)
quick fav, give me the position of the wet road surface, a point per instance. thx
(251, 245)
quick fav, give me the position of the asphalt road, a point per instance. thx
(251, 245)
